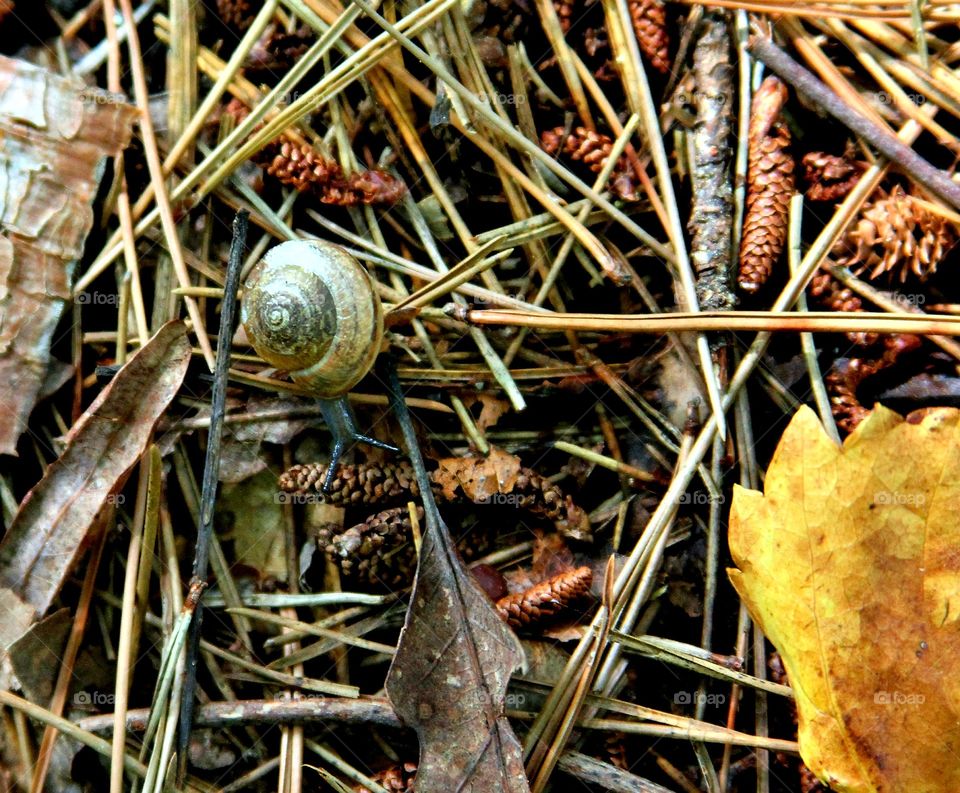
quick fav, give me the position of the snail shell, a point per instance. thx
(310, 309)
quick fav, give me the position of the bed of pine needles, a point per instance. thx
(591, 158)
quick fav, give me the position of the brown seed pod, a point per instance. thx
(896, 234)
(591, 148)
(828, 177)
(649, 19)
(545, 600)
(769, 186)
(847, 376)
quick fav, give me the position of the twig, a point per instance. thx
(210, 477)
(884, 141)
(736, 321)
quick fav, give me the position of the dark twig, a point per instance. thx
(208, 493)
(883, 140)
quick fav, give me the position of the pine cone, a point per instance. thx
(830, 178)
(380, 554)
(396, 779)
(896, 233)
(298, 165)
(238, 14)
(769, 186)
(546, 600)
(592, 148)
(541, 497)
(6, 7)
(369, 483)
(379, 484)
(649, 19)
(846, 377)
(302, 167)
(828, 291)
(564, 9)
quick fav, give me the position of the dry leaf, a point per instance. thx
(850, 563)
(50, 527)
(492, 407)
(54, 135)
(480, 478)
(448, 680)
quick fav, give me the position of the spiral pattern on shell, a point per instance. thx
(309, 308)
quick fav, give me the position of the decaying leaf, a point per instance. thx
(850, 563)
(480, 478)
(54, 135)
(448, 680)
(50, 527)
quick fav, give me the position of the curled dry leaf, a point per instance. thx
(50, 527)
(849, 562)
(480, 478)
(54, 135)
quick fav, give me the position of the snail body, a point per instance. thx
(310, 309)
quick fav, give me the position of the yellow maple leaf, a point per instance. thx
(850, 563)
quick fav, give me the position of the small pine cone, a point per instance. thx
(396, 779)
(896, 233)
(592, 148)
(847, 376)
(6, 7)
(829, 292)
(769, 186)
(378, 553)
(541, 497)
(367, 187)
(830, 178)
(297, 165)
(564, 9)
(546, 600)
(236, 13)
(369, 483)
(650, 27)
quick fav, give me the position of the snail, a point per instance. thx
(310, 309)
